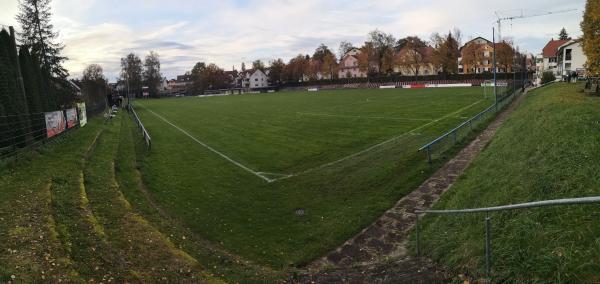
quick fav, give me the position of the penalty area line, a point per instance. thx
(410, 132)
(258, 174)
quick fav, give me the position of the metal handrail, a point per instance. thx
(145, 133)
(488, 249)
(493, 108)
(565, 201)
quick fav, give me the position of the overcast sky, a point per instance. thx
(228, 32)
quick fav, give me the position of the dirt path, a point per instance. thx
(378, 254)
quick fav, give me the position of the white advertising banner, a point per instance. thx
(71, 117)
(82, 114)
(55, 123)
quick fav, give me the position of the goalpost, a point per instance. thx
(488, 88)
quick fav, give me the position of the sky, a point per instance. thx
(229, 32)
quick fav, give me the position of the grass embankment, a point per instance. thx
(64, 218)
(287, 133)
(547, 149)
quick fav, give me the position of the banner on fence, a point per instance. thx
(55, 123)
(82, 114)
(71, 117)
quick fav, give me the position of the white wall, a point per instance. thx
(259, 79)
(578, 58)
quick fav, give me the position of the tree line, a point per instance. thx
(380, 55)
(32, 77)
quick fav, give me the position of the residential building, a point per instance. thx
(483, 50)
(348, 67)
(570, 58)
(548, 60)
(253, 79)
(179, 85)
(416, 60)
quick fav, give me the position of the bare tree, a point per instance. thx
(344, 48)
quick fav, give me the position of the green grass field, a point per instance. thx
(235, 169)
(547, 149)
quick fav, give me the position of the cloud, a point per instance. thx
(229, 32)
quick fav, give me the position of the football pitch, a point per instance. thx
(282, 178)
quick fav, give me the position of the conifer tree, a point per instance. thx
(563, 35)
(11, 96)
(38, 32)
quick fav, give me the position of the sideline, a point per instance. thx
(381, 143)
(258, 174)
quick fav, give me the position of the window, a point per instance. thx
(552, 60)
(568, 66)
(256, 79)
(568, 54)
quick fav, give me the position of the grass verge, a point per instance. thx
(547, 149)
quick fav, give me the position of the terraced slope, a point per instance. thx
(63, 217)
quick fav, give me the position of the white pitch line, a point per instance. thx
(378, 144)
(258, 174)
(360, 116)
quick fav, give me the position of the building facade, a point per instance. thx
(418, 60)
(478, 55)
(570, 58)
(349, 67)
(253, 79)
(548, 59)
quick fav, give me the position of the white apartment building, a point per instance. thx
(548, 59)
(570, 58)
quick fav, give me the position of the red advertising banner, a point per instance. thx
(71, 117)
(55, 123)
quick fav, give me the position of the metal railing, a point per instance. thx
(145, 133)
(457, 133)
(487, 210)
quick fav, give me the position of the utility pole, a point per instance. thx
(495, 81)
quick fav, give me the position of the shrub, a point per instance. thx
(548, 77)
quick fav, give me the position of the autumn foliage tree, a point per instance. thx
(322, 62)
(445, 53)
(208, 77)
(412, 54)
(368, 59)
(295, 70)
(505, 56)
(590, 40)
(383, 48)
(472, 55)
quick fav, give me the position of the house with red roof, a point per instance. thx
(548, 59)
